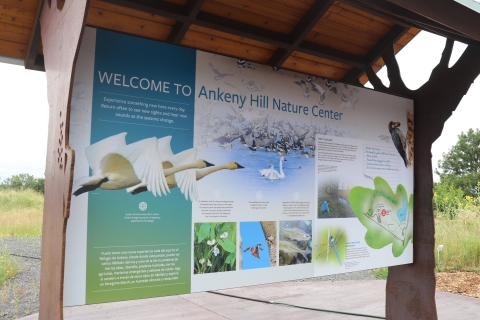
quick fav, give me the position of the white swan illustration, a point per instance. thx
(272, 174)
(116, 165)
(174, 182)
(178, 167)
(266, 172)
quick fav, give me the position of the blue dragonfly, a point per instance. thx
(331, 245)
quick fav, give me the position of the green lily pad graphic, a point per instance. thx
(387, 216)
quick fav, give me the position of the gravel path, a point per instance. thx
(20, 297)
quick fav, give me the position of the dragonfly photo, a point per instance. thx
(331, 249)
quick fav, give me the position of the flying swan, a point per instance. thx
(116, 165)
(173, 182)
(178, 167)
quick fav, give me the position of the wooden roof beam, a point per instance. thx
(384, 44)
(402, 16)
(306, 24)
(214, 22)
(446, 12)
(33, 60)
(181, 27)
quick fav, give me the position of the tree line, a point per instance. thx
(23, 181)
(459, 172)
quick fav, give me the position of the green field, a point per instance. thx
(461, 242)
(21, 213)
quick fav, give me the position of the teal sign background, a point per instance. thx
(109, 230)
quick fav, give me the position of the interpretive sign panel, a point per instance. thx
(196, 172)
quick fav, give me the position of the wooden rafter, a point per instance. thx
(33, 60)
(311, 18)
(181, 27)
(385, 43)
(285, 44)
(214, 22)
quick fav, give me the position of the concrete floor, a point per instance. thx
(366, 297)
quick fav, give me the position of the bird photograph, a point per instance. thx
(253, 245)
(399, 140)
(255, 250)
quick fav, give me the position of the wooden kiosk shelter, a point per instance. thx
(346, 40)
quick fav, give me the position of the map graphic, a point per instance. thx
(387, 216)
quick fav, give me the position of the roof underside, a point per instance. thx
(331, 39)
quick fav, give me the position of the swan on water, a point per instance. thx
(266, 172)
(273, 174)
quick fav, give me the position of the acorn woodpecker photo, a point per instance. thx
(398, 140)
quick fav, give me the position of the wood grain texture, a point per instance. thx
(272, 15)
(61, 35)
(348, 29)
(30, 5)
(12, 49)
(323, 68)
(16, 16)
(223, 43)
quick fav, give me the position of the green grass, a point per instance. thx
(21, 213)
(461, 242)
(381, 273)
(9, 267)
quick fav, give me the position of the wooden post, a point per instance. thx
(411, 288)
(62, 24)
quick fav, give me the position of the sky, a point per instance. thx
(24, 107)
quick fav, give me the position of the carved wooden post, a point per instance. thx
(62, 24)
(411, 288)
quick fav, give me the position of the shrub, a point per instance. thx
(447, 200)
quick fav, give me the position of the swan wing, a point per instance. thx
(164, 148)
(147, 164)
(264, 172)
(100, 149)
(273, 175)
(186, 179)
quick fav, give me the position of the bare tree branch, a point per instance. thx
(447, 53)
(393, 71)
(375, 80)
